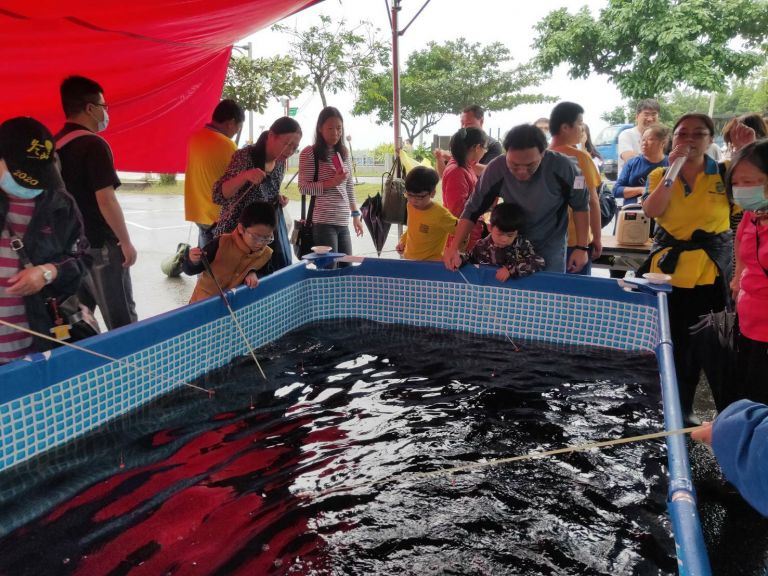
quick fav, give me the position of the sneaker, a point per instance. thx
(171, 266)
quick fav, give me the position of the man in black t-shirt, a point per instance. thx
(89, 173)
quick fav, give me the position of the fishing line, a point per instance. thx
(415, 476)
(100, 355)
(207, 266)
(483, 306)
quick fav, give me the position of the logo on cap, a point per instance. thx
(39, 150)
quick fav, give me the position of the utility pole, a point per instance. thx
(396, 74)
(250, 112)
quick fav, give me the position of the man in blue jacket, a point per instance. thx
(739, 439)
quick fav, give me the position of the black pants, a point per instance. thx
(752, 370)
(685, 307)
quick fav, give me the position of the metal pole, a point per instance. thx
(396, 75)
(250, 112)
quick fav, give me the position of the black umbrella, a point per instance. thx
(713, 342)
(371, 211)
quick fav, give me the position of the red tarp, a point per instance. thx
(161, 62)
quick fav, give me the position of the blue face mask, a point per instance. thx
(750, 198)
(12, 188)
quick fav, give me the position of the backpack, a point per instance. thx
(608, 206)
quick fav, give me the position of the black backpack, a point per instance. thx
(608, 206)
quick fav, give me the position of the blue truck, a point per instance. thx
(607, 144)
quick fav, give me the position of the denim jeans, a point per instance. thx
(108, 285)
(337, 237)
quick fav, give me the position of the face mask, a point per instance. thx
(750, 198)
(103, 123)
(12, 188)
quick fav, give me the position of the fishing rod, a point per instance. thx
(498, 461)
(207, 266)
(100, 355)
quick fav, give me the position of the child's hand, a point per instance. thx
(502, 274)
(400, 248)
(195, 255)
(251, 280)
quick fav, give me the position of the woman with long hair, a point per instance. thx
(747, 183)
(459, 177)
(325, 173)
(255, 173)
(692, 243)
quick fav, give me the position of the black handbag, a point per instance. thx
(302, 236)
(394, 210)
(608, 206)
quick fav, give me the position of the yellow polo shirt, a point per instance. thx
(705, 208)
(427, 232)
(208, 155)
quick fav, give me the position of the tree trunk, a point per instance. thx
(322, 95)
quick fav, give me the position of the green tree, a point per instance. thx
(336, 56)
(443, 79)
(616, 116)
(650, 47)
(738, 97)
(252, 82)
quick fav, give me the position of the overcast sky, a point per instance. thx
(508, 21)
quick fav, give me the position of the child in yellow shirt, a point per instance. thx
(429, 223)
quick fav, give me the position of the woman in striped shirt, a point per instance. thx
(324, 173)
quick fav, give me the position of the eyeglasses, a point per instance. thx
(417, 196)
(258, 238)
(103, 105)
(691, 135)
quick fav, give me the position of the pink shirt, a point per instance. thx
(458, 185)
(752, 304)
(13, 343)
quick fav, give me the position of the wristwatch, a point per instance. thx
(47, 275)
(585, 248)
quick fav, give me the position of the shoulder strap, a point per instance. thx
(307, 216)
(69, 136)
(17, 245)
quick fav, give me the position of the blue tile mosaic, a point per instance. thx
(84, 401)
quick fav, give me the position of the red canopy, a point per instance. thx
(161, 62)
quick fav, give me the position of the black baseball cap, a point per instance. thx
(28, 149)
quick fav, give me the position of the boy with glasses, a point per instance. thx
(429, 223)
(235, 258)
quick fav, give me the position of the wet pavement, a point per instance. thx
(156, 225)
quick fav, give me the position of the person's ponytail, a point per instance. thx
(463, 141)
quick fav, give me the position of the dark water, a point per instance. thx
(240, 483)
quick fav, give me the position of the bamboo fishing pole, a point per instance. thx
(99, 354)
(207, 265)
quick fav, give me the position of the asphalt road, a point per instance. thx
(156, 225)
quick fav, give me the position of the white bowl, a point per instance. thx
(657, 277)
(321, 249)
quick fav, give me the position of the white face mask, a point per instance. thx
(102, 124)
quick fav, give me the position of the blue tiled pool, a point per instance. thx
(55, 398)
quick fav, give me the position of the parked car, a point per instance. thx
(607, 144)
